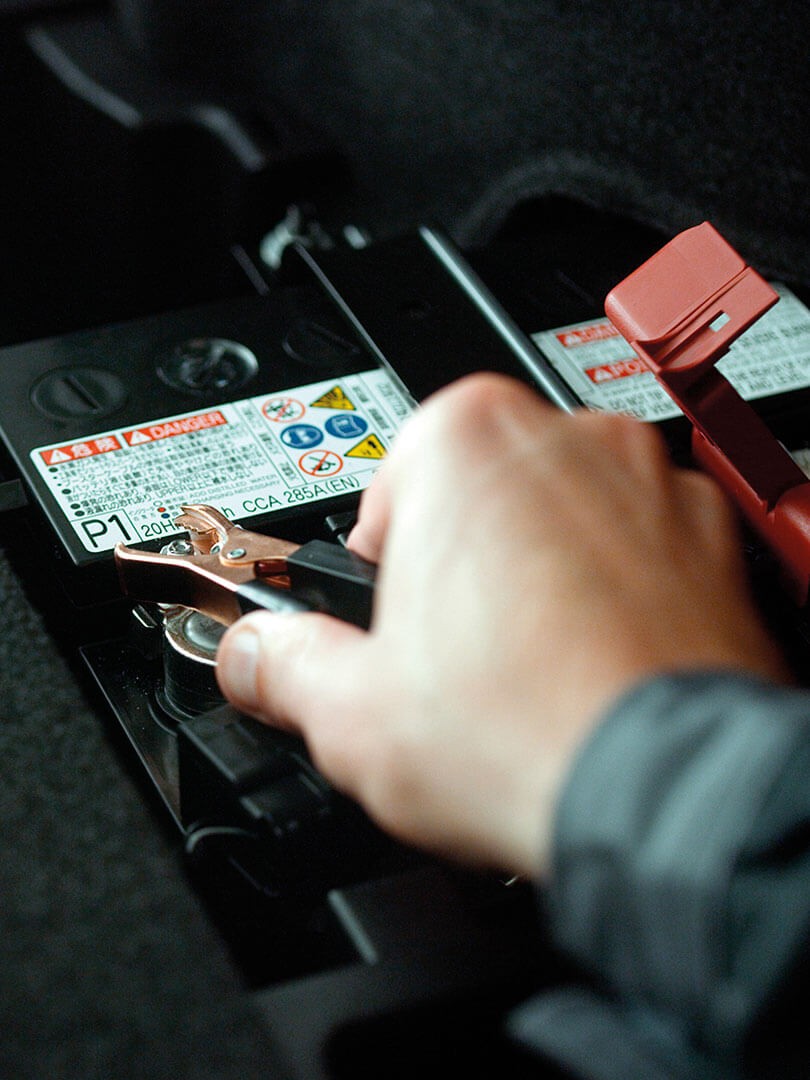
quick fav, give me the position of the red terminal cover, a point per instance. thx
(680, 311)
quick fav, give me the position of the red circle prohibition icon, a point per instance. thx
(320, 463)
(282, 410)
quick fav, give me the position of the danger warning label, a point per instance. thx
(169, 428)
(58, 455)
(248, 458)
(586, 334)
(609, 372)
(600, 367)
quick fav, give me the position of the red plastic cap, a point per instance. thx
(683, 307)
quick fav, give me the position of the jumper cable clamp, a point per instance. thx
(224, 571)
(680, 312)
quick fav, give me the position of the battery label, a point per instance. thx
(600, 367)
(248, 458)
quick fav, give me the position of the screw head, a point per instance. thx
(236, 553)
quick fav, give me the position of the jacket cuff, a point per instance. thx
(671, 811)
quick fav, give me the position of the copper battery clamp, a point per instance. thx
(230, 570)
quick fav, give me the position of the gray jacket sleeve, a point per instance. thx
(681, 886)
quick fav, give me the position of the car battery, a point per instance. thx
(276, 410)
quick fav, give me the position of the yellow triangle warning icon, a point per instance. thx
(370, 447)
(333, 399)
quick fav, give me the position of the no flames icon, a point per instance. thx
(320, 463)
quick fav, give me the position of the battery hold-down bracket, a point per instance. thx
(680, 311)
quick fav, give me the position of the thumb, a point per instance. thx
(285, 669)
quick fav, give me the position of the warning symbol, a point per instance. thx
(56, 457)
(320, 463)
(135, 438)
(283, 409)
(370, 447)
(333, 399)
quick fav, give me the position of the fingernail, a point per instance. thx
(238, 666)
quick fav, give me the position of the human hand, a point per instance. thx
(533, 566)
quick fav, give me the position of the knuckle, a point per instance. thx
(479, 405)
(625, 434)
